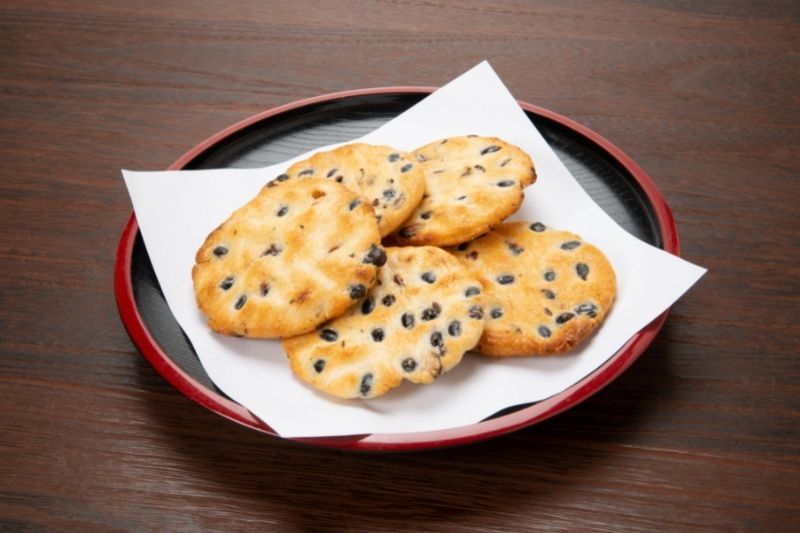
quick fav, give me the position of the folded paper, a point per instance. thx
(176, 210)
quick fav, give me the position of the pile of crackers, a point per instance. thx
(376, 266)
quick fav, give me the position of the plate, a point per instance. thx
(610, 177)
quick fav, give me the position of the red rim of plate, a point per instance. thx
(573, 395)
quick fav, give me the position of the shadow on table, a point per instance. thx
(305, 487)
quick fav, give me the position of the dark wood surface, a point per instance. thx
(702, 433)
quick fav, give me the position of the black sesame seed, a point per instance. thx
(462, 197)
(368, 305)
(421, 158)
(407, 320)
(306, 172)
(588, 309)
(264, 289)
(538, 226)
(505, 162)
(463, 246)
(570, 245)
(496, 312)
(357, 291)
(328, 334)
(583, 270)
(548, 312)
(428, 277)
(544, 331)
(282, 211)
(389, 194)
(219, 251)
(564, 317)
(394, 157)
(505, 279)
(431, 312)
(476, 312)
(283, 177)
(272, 250)
(355, 203)
(331, 172)
(426, 215)
(505, 183)
(472, 291)
(319, 365)
(366, 384)
(377, 334)
(490, 149)
(437, 339)
(240, 302)
(514, 248)
(339, 179)
(227, 283)
(409, 364)
(388, 300)
(375, 256)
(549, 275)
(408, 231)
(398, 279)
(454, 329)
(550, 295)
(406, 167)
(480, 167)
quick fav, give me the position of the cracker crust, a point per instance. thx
(374, 342)
(530, 301)
(390, 179)
(473, 183)
(294, 253)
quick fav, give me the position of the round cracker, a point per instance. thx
(390, 179)
(296, 255)
(546, 290)
(473, 183)
(421, 317)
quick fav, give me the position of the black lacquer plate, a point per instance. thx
(615, 182)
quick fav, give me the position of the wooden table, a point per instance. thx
(700, 434)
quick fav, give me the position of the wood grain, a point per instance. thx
(700, 434)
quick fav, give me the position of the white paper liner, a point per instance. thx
(176, 210)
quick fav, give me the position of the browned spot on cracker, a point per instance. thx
(303, 296)
(364, 274)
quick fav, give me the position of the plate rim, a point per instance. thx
(540, 411)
